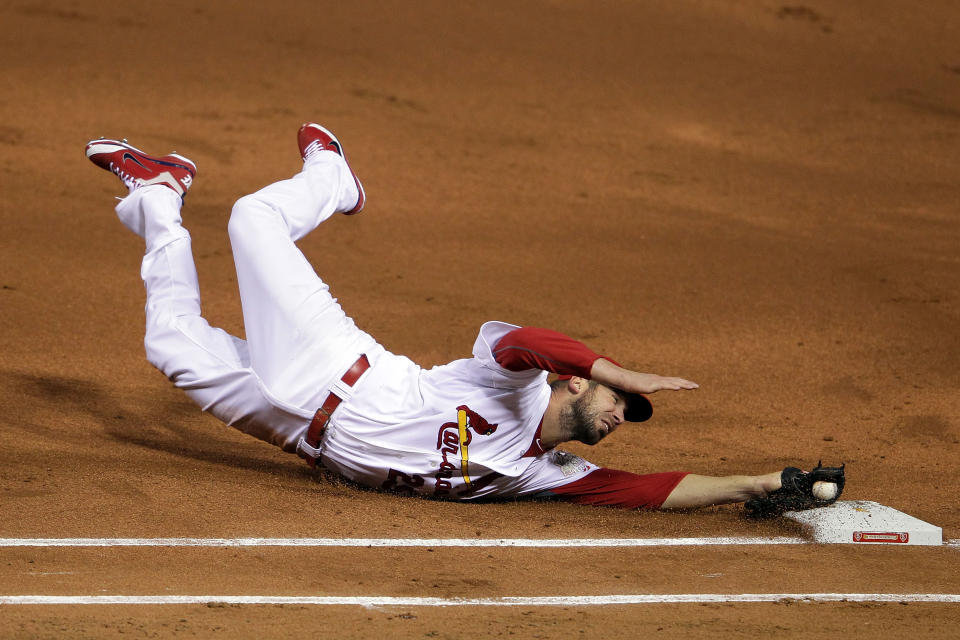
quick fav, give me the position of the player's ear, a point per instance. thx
(576, 385)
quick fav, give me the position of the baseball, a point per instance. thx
(824, 490)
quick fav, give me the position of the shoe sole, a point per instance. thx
(362, 200)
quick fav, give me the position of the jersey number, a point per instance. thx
(400, 482)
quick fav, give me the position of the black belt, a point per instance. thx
(319, 423)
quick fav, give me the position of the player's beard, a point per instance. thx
(581, 420)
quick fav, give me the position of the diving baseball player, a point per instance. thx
(308, 380)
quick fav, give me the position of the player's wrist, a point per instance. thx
(606, 372)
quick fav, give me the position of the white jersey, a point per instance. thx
(462, 430)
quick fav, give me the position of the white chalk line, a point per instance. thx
(393, 542)
(508, 601)
(409, 542)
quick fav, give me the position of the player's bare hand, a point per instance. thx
(605, 372)
(651, 383)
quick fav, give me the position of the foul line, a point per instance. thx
(545, 601)
(391, 542)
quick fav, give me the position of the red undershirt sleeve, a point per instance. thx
(612, 488)
(533, 348)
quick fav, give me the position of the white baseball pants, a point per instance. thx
(299, 341)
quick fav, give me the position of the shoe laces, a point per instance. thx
(313, 149)
(130, 181)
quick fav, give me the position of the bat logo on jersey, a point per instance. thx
(455, 437)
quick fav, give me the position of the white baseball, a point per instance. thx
(824, 490)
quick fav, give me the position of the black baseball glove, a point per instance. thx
(796, 492)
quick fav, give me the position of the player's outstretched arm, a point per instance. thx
(702, 491)
(606, 372)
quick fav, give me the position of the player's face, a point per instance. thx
(596, 413)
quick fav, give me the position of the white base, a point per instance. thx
(867, 523)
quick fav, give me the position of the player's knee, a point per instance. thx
(250, 218)
(166, 346)
(157, 357)
(241, 218)
(157, 341)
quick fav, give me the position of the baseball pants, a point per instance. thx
(299, 340)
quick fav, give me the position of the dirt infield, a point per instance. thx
(761, 197)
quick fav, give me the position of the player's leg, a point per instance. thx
(300, 339)
(701, 491)
(208, 363)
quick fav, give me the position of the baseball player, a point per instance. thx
(309, 381)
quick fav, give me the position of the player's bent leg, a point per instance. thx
(298, 335)
(209, 364)
(702, 491)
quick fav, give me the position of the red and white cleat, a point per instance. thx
(137, 169)
(312, 138)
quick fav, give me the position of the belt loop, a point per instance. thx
(343, 388)
(308, 453)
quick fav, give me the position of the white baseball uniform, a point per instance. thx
(464, 430)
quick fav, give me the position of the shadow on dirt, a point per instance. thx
(81, 416)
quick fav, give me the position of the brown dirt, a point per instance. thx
(758, 196)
